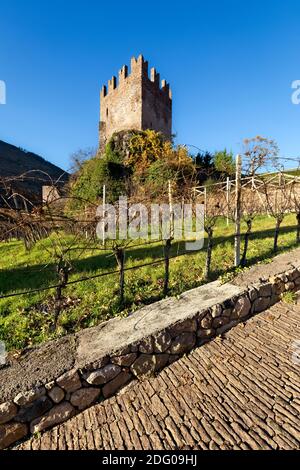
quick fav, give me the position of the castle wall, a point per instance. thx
(135, 101)
(157, 108)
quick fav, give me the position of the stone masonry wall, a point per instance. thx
(53, 402)
(135, 102)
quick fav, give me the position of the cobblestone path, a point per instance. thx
(241, 391)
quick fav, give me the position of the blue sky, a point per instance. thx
(230, 64)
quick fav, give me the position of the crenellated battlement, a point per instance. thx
(135, 100)
(139, 68)
(123, 73)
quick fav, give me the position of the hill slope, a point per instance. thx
(15, 162)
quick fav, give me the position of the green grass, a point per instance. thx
(27, 320)
(289, 297)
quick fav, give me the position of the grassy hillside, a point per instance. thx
(292, 172)
(27, 320)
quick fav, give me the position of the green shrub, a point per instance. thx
(88, 184)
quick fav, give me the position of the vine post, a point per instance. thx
(228, 188)
(238, 189)
(168, 242)
(103, 214)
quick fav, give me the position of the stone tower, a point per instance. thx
(135, 102)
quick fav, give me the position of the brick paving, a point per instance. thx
(241, 391)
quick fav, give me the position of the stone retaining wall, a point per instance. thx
(97, 376)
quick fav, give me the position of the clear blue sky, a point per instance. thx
(230, 64)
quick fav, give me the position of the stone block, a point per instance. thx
(103, 361)
(162, 360)
(205, 334)
(70, 381)
(227, 313)
(11, 433)
(185, 326)
(284, 278)
(295, 273)
(206, 322)
(84, 397)
(183, 343)
(124, 361)
(252, 293)
(261, 304)
(50, 385)
(56, 394)
(57, 415)
(216, 311)
(144, 366)
(8, 411)
(146, 346)
(219, 322)
(34, 410)
(23, 399)
(173, 359)
(265, 290)
(116, 384)
(289, 286)
(104, 375)
(161, 342)
(242, 307)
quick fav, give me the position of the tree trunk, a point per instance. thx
(120, 257)
(167, 249)
(246, 243)
(63, 271)
(57, 305)
(209, 232)
(298, 227)
(276, 235)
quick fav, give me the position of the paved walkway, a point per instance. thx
(238, 392)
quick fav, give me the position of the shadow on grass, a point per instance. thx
(39, 276)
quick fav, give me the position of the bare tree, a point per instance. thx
(119, 251)
(67, 241)
(295, 199)
(64, 230)
(259, 153)
(215, 205)
(279, 203)
(250, 208)
(80, 156)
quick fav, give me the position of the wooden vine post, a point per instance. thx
(103, 215)
(238, 193)
(228, 187)
(168, 242)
